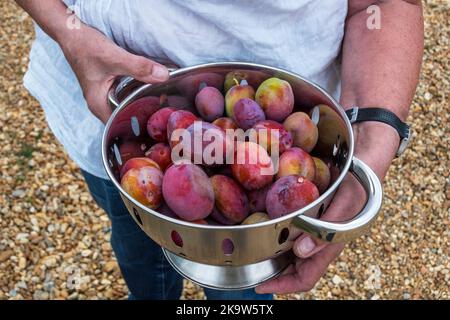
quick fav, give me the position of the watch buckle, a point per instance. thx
(404, 143)
(353, 114)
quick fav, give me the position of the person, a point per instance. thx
(365, 52)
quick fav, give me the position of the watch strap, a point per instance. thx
(357, 114)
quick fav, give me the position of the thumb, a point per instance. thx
(306, 246)
(143, 69)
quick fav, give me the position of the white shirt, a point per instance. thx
(303, 36)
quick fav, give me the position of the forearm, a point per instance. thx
(380, 68)
(51, 15)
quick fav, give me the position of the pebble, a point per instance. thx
(40, 295)
(5, 255)
(50, 261)
(110, 266)
(337, 280)
(86, 253)
(109, 294)
(73, 296)
(22, 263)
(105, 282)
(22, 236)
(48, 283)
(18, 193)
(22, 285)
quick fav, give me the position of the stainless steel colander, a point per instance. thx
(242, 256)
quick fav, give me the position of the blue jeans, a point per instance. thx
(145, 269)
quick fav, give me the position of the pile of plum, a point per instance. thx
(236, 193)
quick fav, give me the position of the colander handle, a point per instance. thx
(350, 230)
(127, 83)
(119, 86)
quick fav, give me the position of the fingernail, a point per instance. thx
(160, 72)
(306, 246)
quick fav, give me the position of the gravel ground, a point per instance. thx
(54, 239)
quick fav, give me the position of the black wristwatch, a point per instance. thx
(357, 114)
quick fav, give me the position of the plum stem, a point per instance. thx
(163, 101)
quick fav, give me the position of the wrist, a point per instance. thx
(376, 144)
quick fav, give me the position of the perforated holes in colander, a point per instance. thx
(321, 210)
(283, 236)
(137, 216)
(176, 238)
(227, 247)
(135, 126)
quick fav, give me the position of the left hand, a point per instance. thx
(313, 255)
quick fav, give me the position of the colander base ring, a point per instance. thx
(229, 277)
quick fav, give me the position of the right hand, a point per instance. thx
(97, 62)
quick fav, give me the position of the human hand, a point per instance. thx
(312, 255)
(97, 62)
